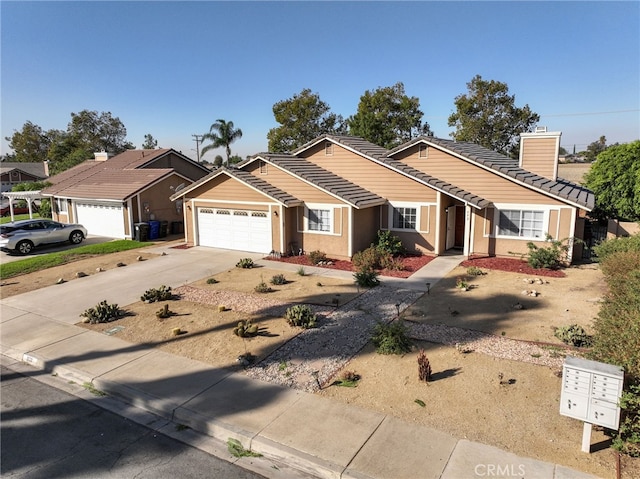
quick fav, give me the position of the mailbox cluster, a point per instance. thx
(590, 392)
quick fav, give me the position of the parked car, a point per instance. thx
(17, 209)
(22, 236)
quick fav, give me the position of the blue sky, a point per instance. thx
(173, 68)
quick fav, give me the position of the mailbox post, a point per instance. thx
(590, 392)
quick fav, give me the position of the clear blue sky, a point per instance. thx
(173, 68)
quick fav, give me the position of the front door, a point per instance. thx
(458, 241)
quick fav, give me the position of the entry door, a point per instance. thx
(459, 228)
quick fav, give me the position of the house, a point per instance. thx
(13, 173)
(109, 195)
(334, 193)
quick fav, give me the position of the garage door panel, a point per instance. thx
(101, 219)
(241, 230)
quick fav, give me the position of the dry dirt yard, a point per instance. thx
(465, 397)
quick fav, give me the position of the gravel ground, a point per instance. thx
(310, 360)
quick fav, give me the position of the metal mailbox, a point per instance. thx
(591, 391)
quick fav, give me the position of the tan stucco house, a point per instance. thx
(109, 195)
(13, 173)
(334, 193)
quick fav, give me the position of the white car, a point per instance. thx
(22, 236)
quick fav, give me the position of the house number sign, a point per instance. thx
(590, 392)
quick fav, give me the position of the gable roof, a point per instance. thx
(508, 168)
(247, 178)
(117, 178)
(33, 169)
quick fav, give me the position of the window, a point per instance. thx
(423, 151)
(263, 168)
(61, 205)
(319, 220)
(328, 149)
(521, 223)
(404, 218)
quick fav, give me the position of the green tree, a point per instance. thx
(150, 143)
(221, 134)
(302, 118)
(388, 117)
(487, 116)
(595, 148)
(614, 178)
(30, 144)
(218, 161)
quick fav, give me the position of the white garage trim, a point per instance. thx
(235, 229)
(101, 219)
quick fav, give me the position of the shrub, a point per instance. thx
(391, 338)
(390, 263)
(617, 245)
(278, 279)
(102, 313)
(424, 368)
(245, 263)
(164, 312)
(212, 281)
(475, 271)
(245, 329)
(367, 259)
(163, 293)
(262, 287)
(366, 277)
(550, 257)
(462, 283)
(388, 243)
(627, 439)
(348, 379)
(573, 335)
(301, 271)
(301, 316)
(317, 257)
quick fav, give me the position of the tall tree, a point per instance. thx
(221, 134)
(388, 117)
(95, 131)
(150, 143)
(595, 148)
(614, 178)
(31, 143)
(302, 118)
(487, 116)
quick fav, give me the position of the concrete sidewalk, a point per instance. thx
(298, 433)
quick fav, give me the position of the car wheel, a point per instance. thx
(76, 237)
(24, 247)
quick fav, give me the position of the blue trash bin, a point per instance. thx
(154, 230)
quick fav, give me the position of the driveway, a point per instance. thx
(10, 257)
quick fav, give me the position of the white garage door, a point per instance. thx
(101, 219)
(242, 230)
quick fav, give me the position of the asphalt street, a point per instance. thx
(48, 433)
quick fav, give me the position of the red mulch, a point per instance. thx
(512, 265)
(411, 264)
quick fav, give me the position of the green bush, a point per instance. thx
(212, 281)
(102, 313)
(547, 257)
(617, 245)
(475, 271)
(245, 263)
(627, 439)
(317, 256)
(391, 338)
(366, 277)
(390, 263)
(262, 287)
(573, 335)
(388, 243)
(278, 279)
(163, 293)
(301, 316)
(245, 329)
(367, 259)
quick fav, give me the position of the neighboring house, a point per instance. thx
(334, 193)
(13, 173)
(109, 195)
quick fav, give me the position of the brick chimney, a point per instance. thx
(101, 156)
(539, 152)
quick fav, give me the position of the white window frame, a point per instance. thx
(62, 207)
(392, 209)
(522, 208)
(318, 207)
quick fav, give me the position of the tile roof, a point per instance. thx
(327, 181)
(34, 169)
(562, 189)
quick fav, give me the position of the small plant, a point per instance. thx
(389, 243)
(102, 313)
(424, 368)
(391, 263)
(462, 284)
(475, 271)
(573, 335)
(164, 312)
(627, 439)
(366, 277)
(212, 281)
(222, 308)
(262, 287)
(92, 389)
(301, 271)
(282, 366)
(163, 293)
(245, 263)
(300, 315)
(348, 379)
(420, 402)
(317, 257)
(367, 259)
(278, 279)
(245, 329)
(550, 257)
(236, 449)
(391, 338)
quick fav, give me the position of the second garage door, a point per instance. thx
(242, 230)
(101, 219)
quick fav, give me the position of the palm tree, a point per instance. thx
(221, 133)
